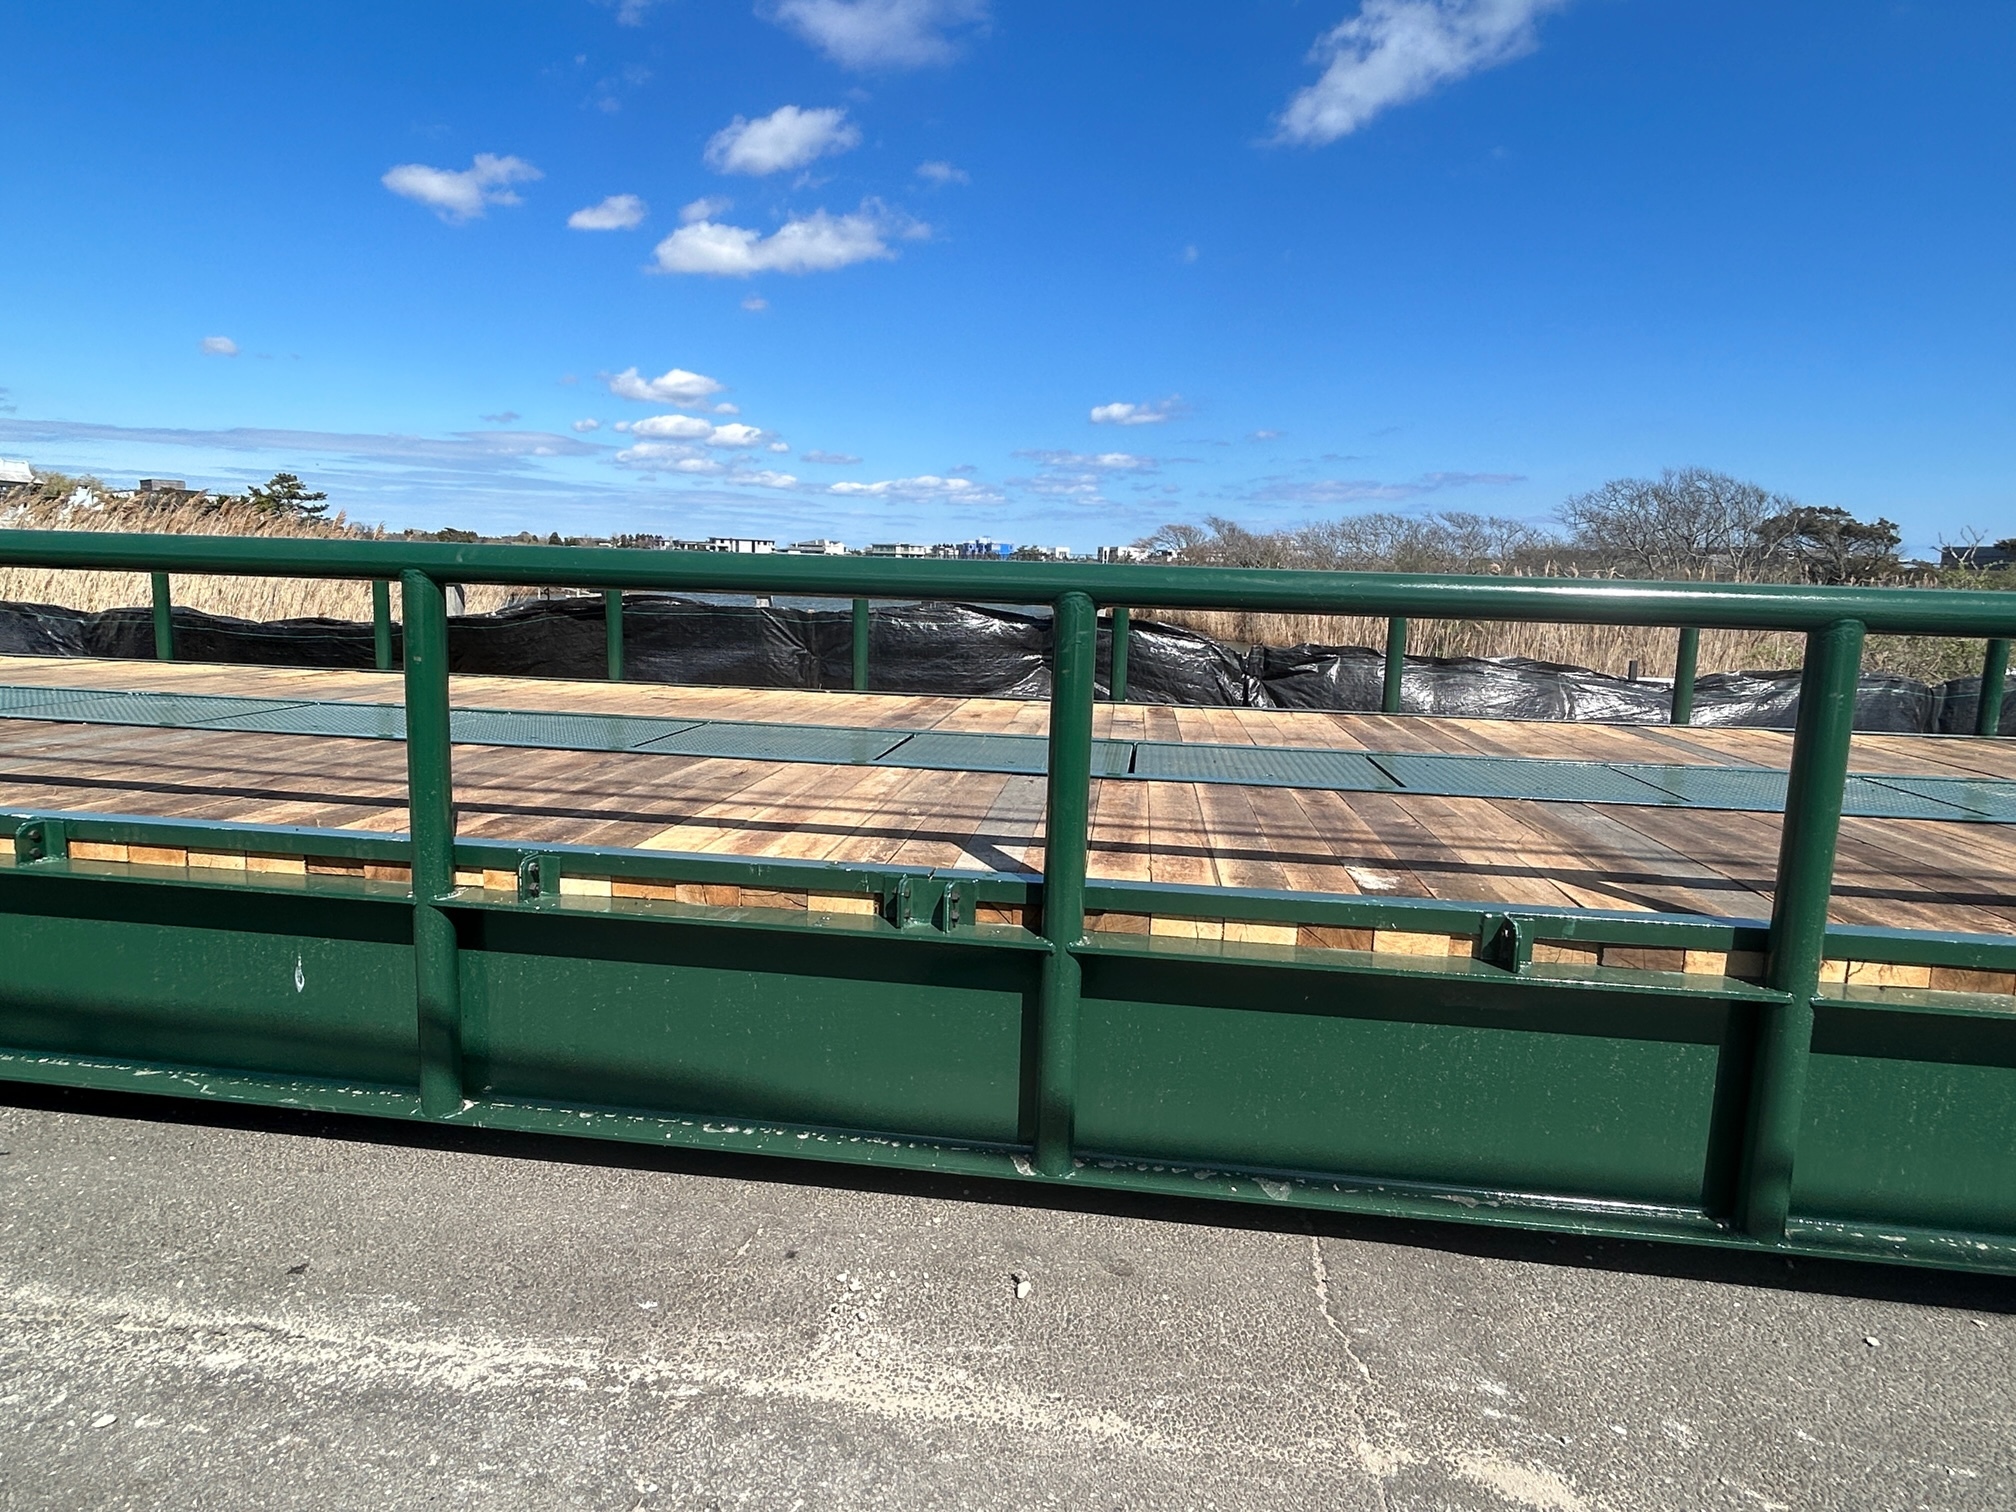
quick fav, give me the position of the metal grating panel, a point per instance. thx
(1960, 798)
(163, 710)
(825, 744)
(560, 732)
(1020, 755)
(1746, 789)
(1261, 766)
(355, 721)
(1511, 777)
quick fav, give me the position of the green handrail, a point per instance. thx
(381, 624)
(1733, 606)
(430, 801)
(1396, 664)
(164, 619)
(1686, 663)
(1122, 633)
(1807, 841)
(1994, 675)
(860, 646)
(612, 619)
(1066, 837)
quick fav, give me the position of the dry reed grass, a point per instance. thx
(252, 598)
(1602, 648)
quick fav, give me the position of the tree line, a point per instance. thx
(1689, 522)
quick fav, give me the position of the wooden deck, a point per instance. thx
(1892, 872)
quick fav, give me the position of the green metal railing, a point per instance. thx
(1246, 1038)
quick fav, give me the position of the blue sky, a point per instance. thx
(929, 269)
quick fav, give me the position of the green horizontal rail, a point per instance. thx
(1583, 601)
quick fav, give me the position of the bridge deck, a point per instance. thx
(1908, 873)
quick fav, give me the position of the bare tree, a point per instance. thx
(1689, 523)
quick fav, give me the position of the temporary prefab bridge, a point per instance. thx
(220, 888)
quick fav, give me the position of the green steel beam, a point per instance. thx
(164, 619)
(1122, 633)
(1423, 596)
(612, 620)
(1804, 882)
(1686, 664)
(1066, 831)
(1396, 664)
(430, 788)
(859, 646)
(1994, 675)
(381, 624)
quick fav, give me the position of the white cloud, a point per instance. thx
(764, 478)
(1394, 51)
(674, 387)
(755, 304)
(619, 212)
(668, 456)
(675, 427)
(816, 243)
(1133, 414)
(786, 138)
(460, 195)
(1266, 435)
(587, 425)
(725, 408)
(219, 346)
(881, 33)
(737, 436)
(704, 208)
(922, 487)
(831, 459)
(1096, 461)
(778, 446)
(943, 173)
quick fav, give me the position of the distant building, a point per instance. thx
(821, 547)
(743, 545)
(1123, 553)
(162, 485)
(1975, 556)
(899, 549)
(639, 542)
(16, 472)
(986, 548)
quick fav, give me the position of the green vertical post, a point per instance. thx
(381, 624)
(1121, 631)
(612, 623)
(860, 645)
(430, 801)
(1805, 879)
(1686, 663)
(1396, 664)
(164, 620)
(1066, 826)
(1994, 675)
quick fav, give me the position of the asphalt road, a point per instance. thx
(218, 1309)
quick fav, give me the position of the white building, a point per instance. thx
(745, 545)
(899, 549)
(15, 472)
(819, 547)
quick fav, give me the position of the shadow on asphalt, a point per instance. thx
(1870, 1280)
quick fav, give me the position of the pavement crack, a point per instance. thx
(1380, 1461)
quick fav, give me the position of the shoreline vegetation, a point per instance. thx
(1690, 525)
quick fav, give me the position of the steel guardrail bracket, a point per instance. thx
(40, 840)
(1506, 941)
(538, 879)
